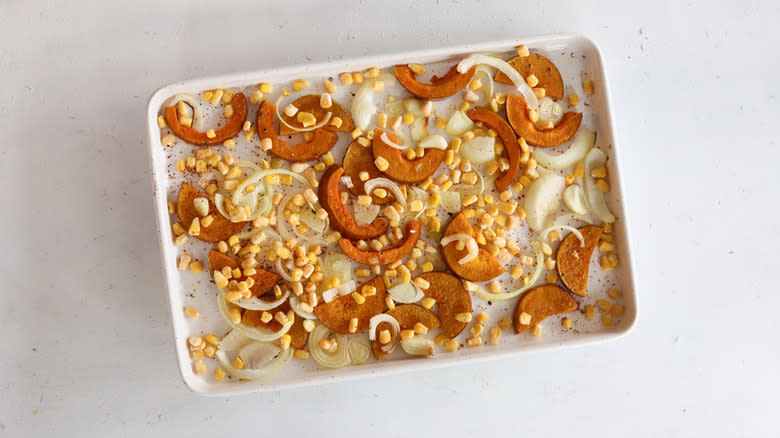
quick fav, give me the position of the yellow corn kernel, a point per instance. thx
(256, 97)
(427, 302)
(330, 87)
(357, 77)
(451, 345)
(536, 330)
(604, 305)
(609, 261)
(573, 99)
(192, 312)
(495, 335)
(300, 84)
(474, 342)
(196, 267)
(525, 318)
(476, 330)
(617, 310)
(566, 322)
(408, 118)
(168, 140)
(417, 69)
(219, 374)
(238, 363)
(590, 310)
(532, 80)
(420, 328)
(522, 50)
(440, 339)
(266, 88)
(505, 323)
(407, 334)
(587, 87)
(359, 298)
(199, 367)
(345, 78)
(613, 293)
(579, 171)
(463, 317)
(607, 319)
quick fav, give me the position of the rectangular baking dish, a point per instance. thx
(577, 58)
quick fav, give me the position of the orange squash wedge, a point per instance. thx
(517, 114)
(573, 260)
(337, 314)
(321, 143)
(541, 302)
(541, 67)
(483, 268)
(507, 136)
(192, 136)
(311, 104)
(402, 169)
(407, 316)
(360, 159)
(439, 88)
(385, 256)
(451, 297)
(220, 229)
(340, 217)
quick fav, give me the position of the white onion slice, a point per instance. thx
(507, 69)
(255, 303)
(486, 73)
(256, 333)
(365, 214)
(385, 183)
(394, 108)
(458, 123)
(451, 202)
(580, 145)
(336, 264)
(294, 302)
(598, 204)
(313, 221)
(363, 107)
(391, 143)
(574, 198)
(281, 271)
(347, 181)
(543, 200)
(487, 296)
(418, 346)
(550, 111)
(316, 126)
(479, 150)
(281, 222)
(471, 246)
(197, 109)
(414, 106)
(330, 294)
(347, 288)
(359, 350)
(406, 293)
(419, 128)
(434, 141)
(337, 359)
(261, 360)
(576, 232)
(396, 330)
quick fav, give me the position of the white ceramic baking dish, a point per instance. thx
(576, 57)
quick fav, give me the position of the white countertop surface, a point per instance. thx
(87, 345)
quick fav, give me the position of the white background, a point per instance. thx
(86, 340)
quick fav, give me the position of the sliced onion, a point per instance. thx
(581, 144)
(337, 359)
(359, 350)
(433, 142)
(396, 330)
(256, 333)
(550, 111)
(389, 142)
(385, 183)
(450, 201)
(255, 303)
(486, 73)
(313, 221)
(336, 264)
(197, 109)
(316, 126)
(507, 69)
(413, 106)
(458, 123)
(281, 222)
(330, 294)
(419, 128)
(418, 346)
(394, 108)
(363, 107)
(406, 293)
(574, 198)
(281, 271)
(479, 150)
(543, 200)
(487, 296)
(260, 359)
(365, 214)
(343, 289)
(471, 246)
(598, 204)
(347, 181)
(294, 302)
(576, 232)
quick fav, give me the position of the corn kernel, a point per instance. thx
(603, 185)
(451, 345)
(420, 328)
(609, 261)
(382, 164)
(505, 323)
(587, 87)
(191, 312)
(613, 293)
(417, 69)
(607, 319)
(579, 171)
(463, 317)
(474, 342)
(604, 305)
(532, 80)
(536, 330)
(495, 335)
(199, 368)
(590, 310)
